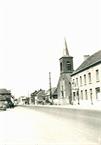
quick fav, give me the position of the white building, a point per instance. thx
(86, 80)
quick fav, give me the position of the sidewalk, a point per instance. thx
(96, 106)
(84, 105)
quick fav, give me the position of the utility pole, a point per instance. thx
(50, 87)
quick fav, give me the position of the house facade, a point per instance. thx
(38, 97)
(22, 100)
(86, 80)
(43, 97)
(51, 98)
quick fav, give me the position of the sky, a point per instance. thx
(32, 36)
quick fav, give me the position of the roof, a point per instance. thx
(65, 51)
(53, 91)
(41, 93)
(4, 91)
(34, 93)
(89, 62)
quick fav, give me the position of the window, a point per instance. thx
(78, 93)
(90, 91)
(61, 66)
(97, 75)
(80, 81)
(68, 65)
(81, 94)
(62, 92)
(91, 96)
(84, 79)
(98, 94)
(76, 81)
(86, 95)
(73, 81)
(89, 78)
(74, 96)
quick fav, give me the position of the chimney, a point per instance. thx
(85, 57)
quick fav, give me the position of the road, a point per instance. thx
(24, 126)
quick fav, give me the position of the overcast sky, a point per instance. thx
(32, 39)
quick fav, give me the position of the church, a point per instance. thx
(82, 85)
(64, 84)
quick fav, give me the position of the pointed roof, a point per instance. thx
(34, 93)
(65, 50)
(54, 91)
(41, 93)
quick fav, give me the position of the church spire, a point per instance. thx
(65, 51)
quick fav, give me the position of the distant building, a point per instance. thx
(53, 94)
(22, 100)
(33, 95)
(39, 97)
(64, 83)
(43, 97)
(86, 80)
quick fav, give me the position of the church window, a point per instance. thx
(74, 96)
(62, 92)
(68, 65)
(61, 66)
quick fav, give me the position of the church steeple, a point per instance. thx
(66, 61)
(65, 50)
(66, 69)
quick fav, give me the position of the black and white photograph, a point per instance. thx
(50, 72)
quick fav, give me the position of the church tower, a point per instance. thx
(64, 83)
(66, 61)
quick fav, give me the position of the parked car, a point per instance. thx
(10, 104)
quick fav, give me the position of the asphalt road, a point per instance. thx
(24, 126)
